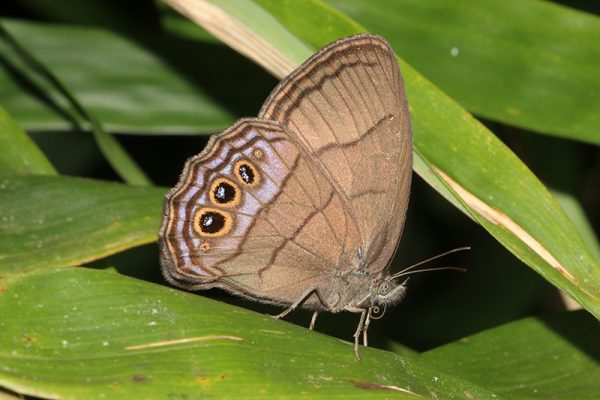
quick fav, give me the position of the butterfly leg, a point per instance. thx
(313, 320)
(365, 328)
(300, 300)
(359, 330)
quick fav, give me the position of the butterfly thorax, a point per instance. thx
(359, 290)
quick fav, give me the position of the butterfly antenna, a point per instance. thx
(409, 270)
(398, 275)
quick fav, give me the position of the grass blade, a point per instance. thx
(19, 153)
(115, 154)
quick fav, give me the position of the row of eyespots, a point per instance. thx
(213, 222)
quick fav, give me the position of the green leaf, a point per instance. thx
(250, 28)
(91, 334)
(62, 221)
(126, 86)
(19, 153)
(476, 168)
(532, 65)
(551, 357)
(574, 210)
(112, 150)
(175, 23)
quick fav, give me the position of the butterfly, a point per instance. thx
(303, 206)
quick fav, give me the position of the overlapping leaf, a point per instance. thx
(127, 87)
(122, 338)
(532, 64)
(19, 154)
(62, 221)
(550, 357)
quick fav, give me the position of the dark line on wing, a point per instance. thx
(294, 234)
(367, 92)
(377, 99)
(296, 96)
(369, 132)
(229, 154)
(391, 60)
(310, 167)
(255, 219)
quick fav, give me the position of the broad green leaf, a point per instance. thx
(79, 333)
(400, 349)
(532, 65)
(62, 221)
(551, 357)
(494, 186)
(19, 154)
(126, 86)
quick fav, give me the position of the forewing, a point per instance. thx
(347, 105)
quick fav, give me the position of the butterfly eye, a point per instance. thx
(247, 173)
(384, 288)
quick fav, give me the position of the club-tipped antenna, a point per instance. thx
(409, 270)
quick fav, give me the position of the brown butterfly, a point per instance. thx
(304, 205)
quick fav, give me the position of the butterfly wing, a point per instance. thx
(347, 105)
(254, 214)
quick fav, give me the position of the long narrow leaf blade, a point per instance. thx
(19, 154)
(129, 88)
(112, 150)
(532, 64)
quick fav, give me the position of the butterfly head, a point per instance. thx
(389, 291)
(385, 290)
